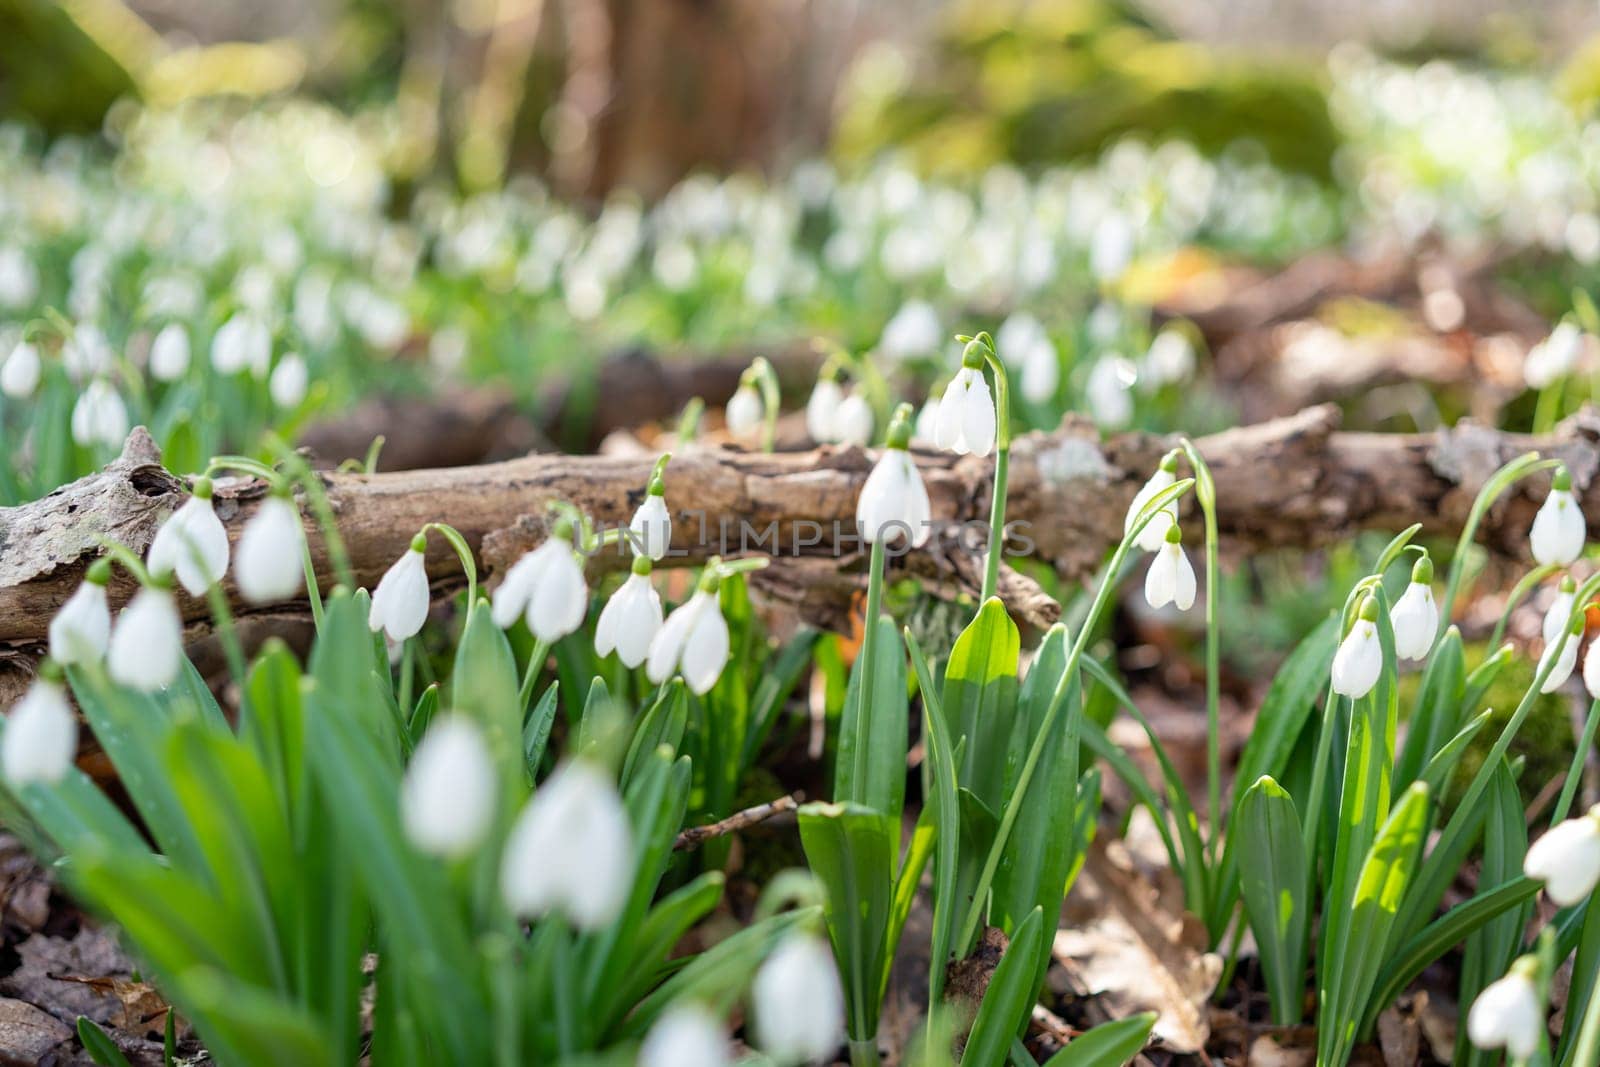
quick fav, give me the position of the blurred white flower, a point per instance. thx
(20, 375)
(912, 333)
(41, 736)
(19, 280)
(1553, 358)
(169, 353)
(693, 642)
(1508, 1015)
(685, 1036)
(146, 650)
(1567, 859)
(822, 411)
(1170, 360)
(86, 352)
(447, 797)
(798, 1002)
(852, 422)
(894, 505)
(547, 587)
(99, 417)
(1111, 248)
(745, 411)
(81, 629)
(570, 850)
(270, 564)
(242, 343)
(192, 543)
(287, 385)
(1109, 391)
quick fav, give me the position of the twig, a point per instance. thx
(739, 820)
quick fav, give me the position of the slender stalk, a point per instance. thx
(864, 1053)
(1587, 1050)
(1319, 777)
(1569, 789)
(408, 671)
(222, 620)
(1519, 592)
(463, 552)
(1205, 492)
(1548, 408)
(869, 649)
(530, 674)
(1002, 464)
(1498, 483)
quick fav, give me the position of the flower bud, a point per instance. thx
(400, 603)
(1359, 660)
(1559, 528)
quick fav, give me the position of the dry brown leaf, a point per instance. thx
(1266, 1052)
(1134, 948)
(1400, 1031)
(27, 1034)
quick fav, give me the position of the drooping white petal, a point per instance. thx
(169, 353)
(289, 381)
(1558, 615)
(822, 409)
(41, 736)
(1591, 670)
(977, 417)
(666, 649)
(20, 375)
(685, 1036)
(81, 630)
(1508, 1015)
(571, 849)
(193, 544)
(927, 425)
(511, 598)
(99, 417)
(1415, 618)
(949, 431)
(1563, 664)
(1154, 534)
(894, 502)
(798, 1002)
(448, 793)
(1041, 372)
(1558, 530)
(400, 603)
(629, 621)
(270, 564)
(560, 597)
(1567, 859)
(1358, 662)
(852, 423)
(705, 651)
(146, 650)
(651, 527)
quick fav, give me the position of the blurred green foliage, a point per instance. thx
(1040, 81)
(52, 72)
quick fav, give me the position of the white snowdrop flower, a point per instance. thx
(1562, 663)
(966, 413)
(448, 793)
(1041, 371)
(1591, 670)
(912, 332)
(169, 353)
(650, 529)
(86, 352)
(927, 425)
(798, 1003)
(1170, 577)
(822, 409)
(1558, 529)
(1154, 534)
(1109, 391)
(745, 411)
(1508, 1014)
(400, 603)
(19, 279)
(893, 505)
(192, 543)
(1553, 358)
(1020, 332)
(1111, 247)
(146, 650)
(1567, 859)
(1105, 323)
(99, 417)
(631, 618)
(1359, 661)
(547, 587)
(853, 420)
(81, 629)
(570, 850)
(20, 375)
(685, 1036)
(1559, 613)
(1415, 616)
(41, 735)
(1170, 359)
(270, 564)
(692, 642)
(242, 343)
(287, 386)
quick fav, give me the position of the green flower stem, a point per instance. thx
(469, 564)
(313, 592)
(1519, 592)
(316, 493)
(1587, 1049)
(1002, 464)
(530, 674)
(1548, 408)
(864, 1053)
(1498, 483)
(869, 647)
(767, 381)
(130, 562)
(1058, 698)
(1206, 493)
(1569, 788)
(222, 619)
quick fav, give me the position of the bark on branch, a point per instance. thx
(1294, 481)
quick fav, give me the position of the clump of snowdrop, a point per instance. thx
(1154, 534)
(1359, 660)
(967, 411)
(685, 1036)
(1509, 1013)
(99, 417)
(798, 1003)
(1555, 357)
(650, 529)
(270, 563)
(1559, 528)
(169, 353)
(893, 505)
(570, 850)
(146, 648)
(1567, 858)
(20, 375)
(447, 797)
(1561, 656)
(1170, 578)
(693, 641)
(400, 602)
(192, 543)
(629, 622)
(41, 735)
(546, 587)
(81, 629)
(1415, 616)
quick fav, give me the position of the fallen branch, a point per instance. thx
(1295, 481)
(739, 820)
